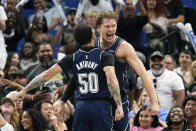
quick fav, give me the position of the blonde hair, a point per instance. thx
(107, 15)
(90, 13)
(67, 110)
(15, 119)
(192, 77)
(140, 98)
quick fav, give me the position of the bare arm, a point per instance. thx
(180, 18)
(179, 96)
(58, 36)
(53, 24)
(127, 53)
(114, 90)
(113, 84)
(2, 25)
(43, 77)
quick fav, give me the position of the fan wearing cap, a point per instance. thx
(9, 112)
(169, 86)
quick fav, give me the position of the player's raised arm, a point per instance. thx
(130, 56)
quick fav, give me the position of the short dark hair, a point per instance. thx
(188, 98)
(186, 51)
(155, 122)
(44, 43)
(38, 105)
(83, 34)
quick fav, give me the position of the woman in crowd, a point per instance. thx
(61, 113)
(144, 99)
(12, 59)
(157, 25)
(38, 31)
(192, 83)
(177, 120)
(189, 105)
(28, 55)
(144, 121)
(32, 120)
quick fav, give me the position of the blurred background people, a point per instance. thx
(3, 52)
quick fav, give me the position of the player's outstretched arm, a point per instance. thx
(114, 89)
(127, 52)
(41, 79)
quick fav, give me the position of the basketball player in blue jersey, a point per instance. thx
(124, 54)
(95, 83)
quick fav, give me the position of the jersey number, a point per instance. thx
(88, 83)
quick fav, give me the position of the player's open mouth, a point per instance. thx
(110, 36)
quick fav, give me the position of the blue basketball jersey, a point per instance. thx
(90, 79)
(120, 67)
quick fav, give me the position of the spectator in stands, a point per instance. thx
(156, 26)
(169, 86)
(192, 84)
(189, 106)
(9, 112)
(86, 5)
(3, 91)
(10, 72)
(45, 56)
(3, 52)
(38, 31)
(177, 120)
(28, 55)
(185, 60)
(60, 112)
(32, 120)
(4, 125)
(46, 108)
(170, 63)
(13, 59)
(13, 34)
(193, 72)
(144, 121)
(130, 25)
(144, 100)
(91, 17)
(51, 15)
(17, 101)
(174, 11)
(65, 36)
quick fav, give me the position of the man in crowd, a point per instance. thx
(168, 85)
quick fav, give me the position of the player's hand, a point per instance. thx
(21, 94)
(119, 113)
(153, 109)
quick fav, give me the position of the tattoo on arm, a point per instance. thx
(115, 93)
(36, 82)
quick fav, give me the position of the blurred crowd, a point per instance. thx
(168, 55)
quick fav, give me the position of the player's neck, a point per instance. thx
(92, 44)
(106, 44)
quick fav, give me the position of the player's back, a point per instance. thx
(90, 79)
